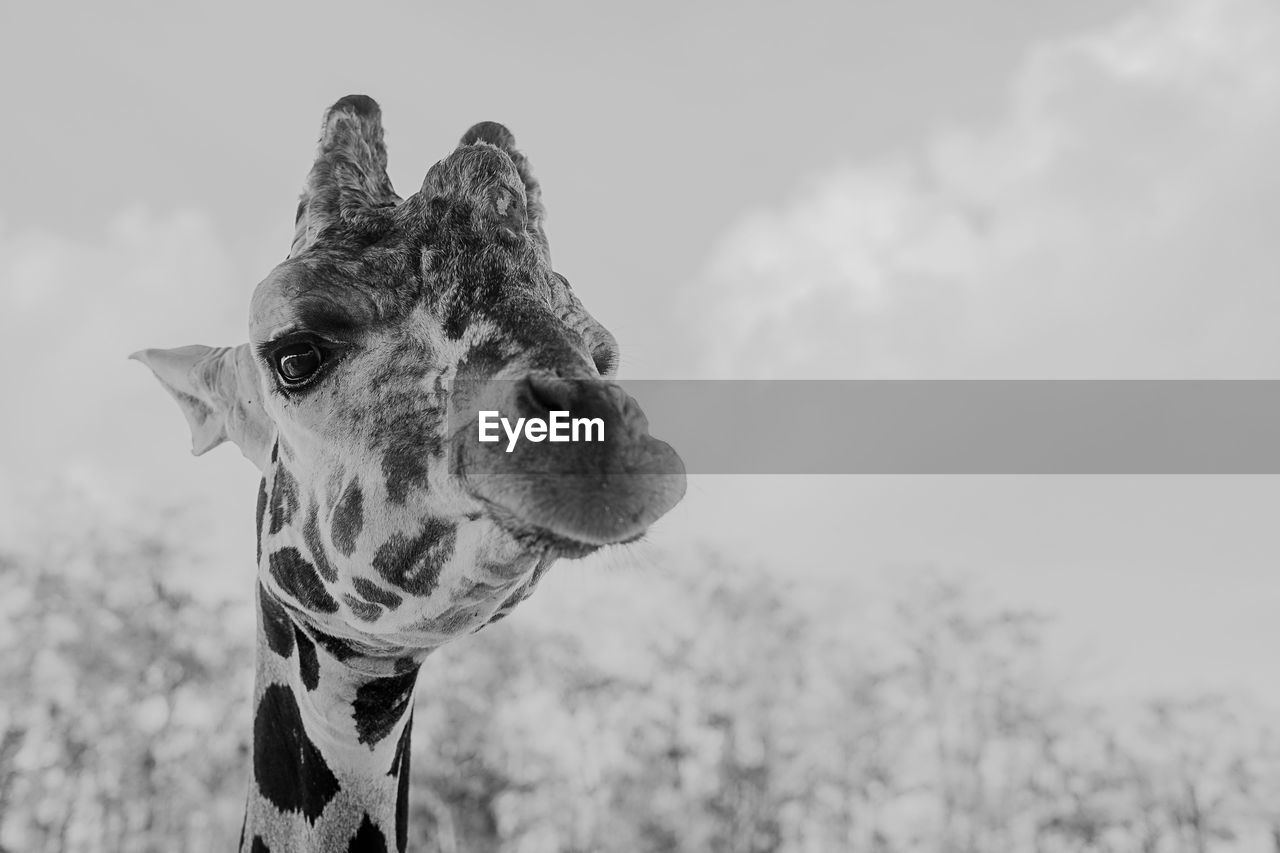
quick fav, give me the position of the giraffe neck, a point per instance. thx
(330, 749)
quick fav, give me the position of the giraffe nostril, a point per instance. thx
(545, 392)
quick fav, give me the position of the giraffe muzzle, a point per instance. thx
(567, 459)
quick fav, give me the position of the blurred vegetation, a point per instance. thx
(693, 707)
(123, 702)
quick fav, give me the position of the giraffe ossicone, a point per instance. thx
(385, 529)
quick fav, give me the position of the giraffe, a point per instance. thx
(384, 529)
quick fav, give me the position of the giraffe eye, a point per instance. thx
(297, 363)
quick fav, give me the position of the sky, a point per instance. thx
(842, 190)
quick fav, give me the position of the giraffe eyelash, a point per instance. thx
(606, 359)
(270, 352)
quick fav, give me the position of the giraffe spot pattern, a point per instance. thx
(490, 277)
(363, 610)
(526, 589)
(380, 703)
(477, 591)
(483, 360)
(308, 663)
(368, 838)
(508, 605)
(284, 499)
(338, 648)
(407, 664)
(259, 846)
(277, 627)
(348, 519)
(408, 427)
(466, 252)
(311, 535)
(260, 513)
(453, 621)
(289, 770)
(400, 766)
(471, 245)
(414, 565)
(404, 465)
(298, 578)
(370, 591)
(520, 594)
(333, 488)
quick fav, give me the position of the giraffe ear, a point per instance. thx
(220, 394)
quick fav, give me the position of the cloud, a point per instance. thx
(1118, 220)
(81, 417)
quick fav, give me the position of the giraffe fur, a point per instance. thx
(382, 532)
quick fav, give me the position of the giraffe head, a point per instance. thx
(372, 346)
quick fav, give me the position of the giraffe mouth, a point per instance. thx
(567, 495)
(572, 515)
(553, 540)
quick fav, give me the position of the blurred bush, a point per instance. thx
(123, 702)
(695, 706)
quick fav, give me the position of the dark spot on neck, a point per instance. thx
(348, 519)
(289, 770)
(260, 513)
(277, 627)
(407, 664)
(368, 838)
(400, 761)
(308, 663)
(414, 565)
(284, 498)
(380, 703)
(311, 535)
(338, 648)
(400, 768)
(259, 846)
(298, 578)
